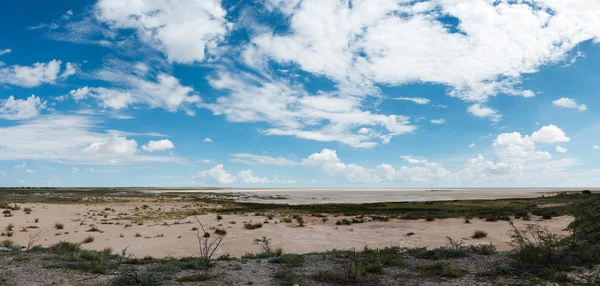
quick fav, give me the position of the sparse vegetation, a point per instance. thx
(59, 225)
(479, 234)
(251, 226)
(88, 239)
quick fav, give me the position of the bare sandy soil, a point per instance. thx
(161, 237)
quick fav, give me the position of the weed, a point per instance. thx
(479, 234)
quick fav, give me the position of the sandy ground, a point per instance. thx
(169, 237)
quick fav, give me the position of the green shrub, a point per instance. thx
(485, 249)
(373, 268)
(444, 269)
(287, 277)
(291, 260)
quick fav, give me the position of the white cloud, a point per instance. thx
(30, 171)
(207, 140)
(417, 100)
(186, 31)
(206, 161)
(2, 173)
(5, 51)
(70, 69)
(596, 147)
(163, 91)
(569, 103)
(21, 166)
(19, 109)
(471, 145)
(69, 139)
(293, 112)
(159, 145)
(32, 76)
(484, 111)
(438, 121)
(115, 146)
(220, 175)
(329, 162)
(560, 149)
(550, 134)
(362, 44)
(260, 159)
(75, 170)
(246, 177)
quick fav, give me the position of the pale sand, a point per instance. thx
(354, 196)
(315, 236)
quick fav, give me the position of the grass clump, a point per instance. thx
(479, 234)
(88, 239)
(444, 269)
(485, 249)
(287, 277)
(59, 225)
(291, 260)
(251, 226)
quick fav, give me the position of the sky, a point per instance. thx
(300, 93)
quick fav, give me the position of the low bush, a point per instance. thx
(485, 249)
(479, 234)
(444, 269)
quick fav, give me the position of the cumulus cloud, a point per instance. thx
(438, 121)
(484, 111)
(130, 88)
(19, 109)
(115, 146)
(569, 103)
(186, 31)
(207, 140)
(293, 112)
(34, 75)
(417, 100)
(595, 147)
(70, 138)
(550, 134)
(362, 44)
(5, 51)
(220, 175)
(159, 145)
(560, 149)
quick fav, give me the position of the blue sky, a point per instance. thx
(272, 93)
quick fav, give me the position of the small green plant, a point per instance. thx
(219, 217)
(479, 234)
(444, 269)
(27, 210)
(59, 225)
(220, 231)
(429, 218)
(138, 235)
(485, 249)
(10, 227)
(36, 220)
